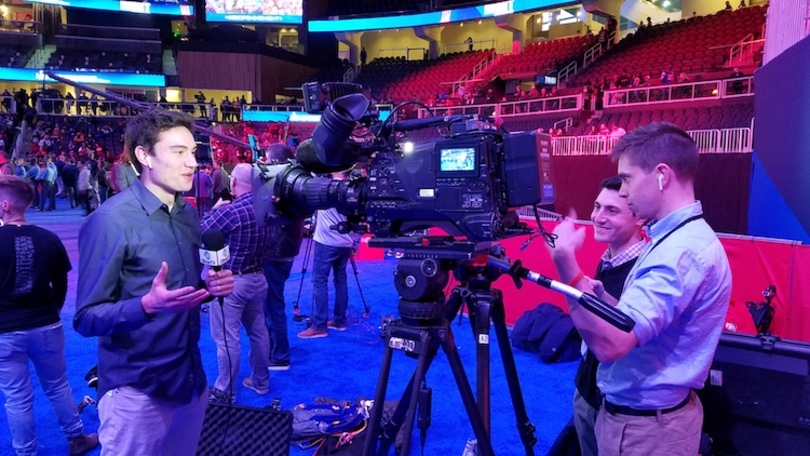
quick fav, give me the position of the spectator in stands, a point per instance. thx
(736, 86)
(200, 97)
(667, 76)
(469, 42)
(363, 57)
(728, 6)
(70, 102)
(616, 131)
(742, 3)
(649, 21)
(94, 104)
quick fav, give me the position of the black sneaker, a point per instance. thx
(91, 377)
(278, 365)
(217, 396)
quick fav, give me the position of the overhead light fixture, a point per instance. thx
(666, 3)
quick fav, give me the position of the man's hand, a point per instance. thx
(161, 299)
(219, 283)
(569, 237)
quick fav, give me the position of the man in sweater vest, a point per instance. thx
(617, 226)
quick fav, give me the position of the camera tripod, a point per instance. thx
(424, 326)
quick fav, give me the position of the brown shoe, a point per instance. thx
(82, 444)
(332, 325)
(312, 333)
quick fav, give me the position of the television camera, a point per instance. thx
(466, 184)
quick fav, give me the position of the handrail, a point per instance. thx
(672, 93)
(567, 72)
(547, 105)
(479, 67)
(738, 50)
(712, 141)
(591, 54)
(463, 46)
(564, 124)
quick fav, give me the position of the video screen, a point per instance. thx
(255, 11)
(167, 7)
(457, 159)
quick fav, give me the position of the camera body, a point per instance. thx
(465, 184)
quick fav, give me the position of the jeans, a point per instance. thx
(45, 348)
(243, 306)
(329, 258)
(46, 191)
(275, 309)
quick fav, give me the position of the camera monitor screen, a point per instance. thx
(457, 159)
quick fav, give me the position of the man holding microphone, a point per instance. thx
(139, 292)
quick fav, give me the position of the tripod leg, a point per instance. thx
(449, 347)
(479, 307)
(419, 375)
(366, 308)
(525, 427)
(379, 401)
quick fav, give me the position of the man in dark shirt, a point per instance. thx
(615, 225)
(248, 245)
(33, 285)
(280, 256)
(139, 292)
(70, 177)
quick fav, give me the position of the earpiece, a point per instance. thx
(660, 182)
(149, 163)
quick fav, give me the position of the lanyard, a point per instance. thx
(689, 220)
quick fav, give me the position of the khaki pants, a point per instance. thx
(672, 434)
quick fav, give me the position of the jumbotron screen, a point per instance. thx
(168, 7)
(255, 11)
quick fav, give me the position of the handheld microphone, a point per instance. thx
(214, 252)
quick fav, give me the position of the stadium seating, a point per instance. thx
(692, 46)
(397, 79)
(536, 58)
(108, 49)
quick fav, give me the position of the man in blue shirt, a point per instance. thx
(139, 292)
(677, 293)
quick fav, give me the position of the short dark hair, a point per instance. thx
(611, 183)
(18, 191)
(279, 152)
(656, 143)
(143, 130)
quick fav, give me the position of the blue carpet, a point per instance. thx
(344, 365)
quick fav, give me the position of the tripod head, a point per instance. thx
(423, 272)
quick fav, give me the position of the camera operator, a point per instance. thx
(248, 245)
(280, 256)
(332, 252)
(617, 226)
(139, 292)
(677, 293)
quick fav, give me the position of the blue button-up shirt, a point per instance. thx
(121, 247)
(678, 294)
